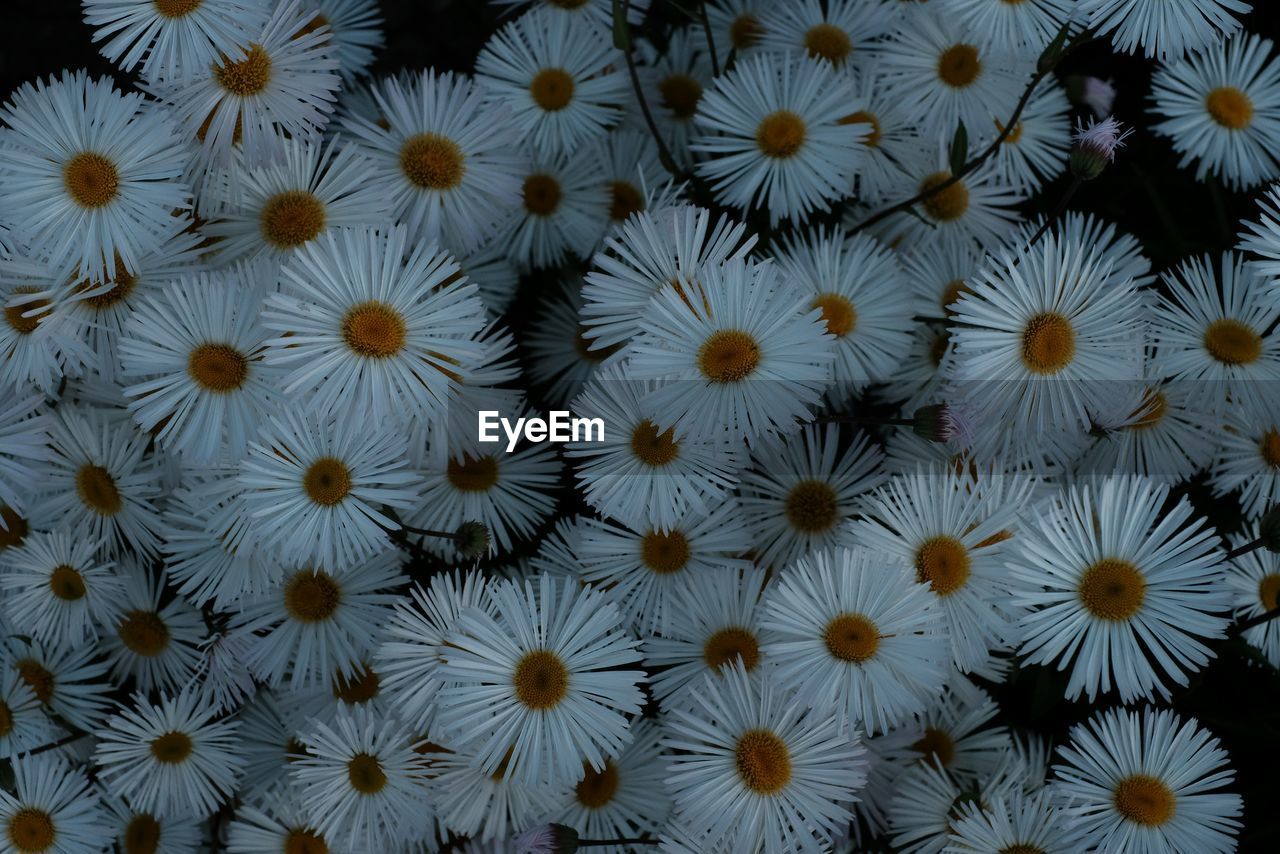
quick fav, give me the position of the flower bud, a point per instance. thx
(472, 539)
(1095, 147)
(546, 839)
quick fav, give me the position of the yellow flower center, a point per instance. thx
(141, 835)
(1145, 800)
(97, 490)
(374, 330)
(730, 643)
(829, 42)
(171, 748)
(781, 134)
(6, 719)
(838, 313)
(360, 687)
(1269, 591)
(365, 774)
(728, 355)
(852, 637)
(935, 744)
(1048, 343)
(31, 830)
(327, 481)
(541, 195)
(764, 763)
(177, 8)
(625, 201)
(246, 77)
(473, 474)
(664, 553)
(948, 204)
(1232, 343)
(1020, 847)
(304, 840)
(143, 633)
(291, 218)
(1151, 411)
(812, 507)
(944, 563)
(1014, 135)
(432, 162)
(541, 680)
(218, 368)
(1269, 448)
(745, 31)
(66, 583)
(952, 292)
(680, 94)
(311, 597)
(24, 318)
(91, 180)
(13, 528)
(597, 788)
(1112, 589)
(37, 678)
(1229, 107)
(123, 283)
(552, 89)
(653, 448)
(959, 66)
(872, 139)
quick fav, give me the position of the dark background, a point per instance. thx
(1238, 696)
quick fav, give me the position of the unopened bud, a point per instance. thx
(943, 422)
(1095, 147)
(546, 839)
(472, 539)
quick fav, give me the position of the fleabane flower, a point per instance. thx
(52, 807)
(841, 32)
(355, 28)
(1094, 147)
(55, 589)
(746, 353)
(448, 161)
(774, 139)
(371, 328)
(538, 687)
(1119, 589)
(560, 76)
(89, 174)
(1164, 29)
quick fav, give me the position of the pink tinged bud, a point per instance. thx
(1098, 95)
(945, 423)
(546, 839)
(1095, 146)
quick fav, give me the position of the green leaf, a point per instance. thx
(959, 149)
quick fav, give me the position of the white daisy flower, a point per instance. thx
(1035, 151)
(560, 358)
(631, 170)
(154, 646)
(751, 771)
(864, 298)
(355, 28)
(928, 800)
(276, 823)
(319, 621)
(272, 210)
(1214, 333)
(773, 137)
(954, 536)
(1248, 460)
(952, 74)
(268, 731)
(564, 211)
(939, 272)
(1254, 578)
(737, 26)
(224, 678)
(171, 38)
(68, 681)
(797, 493)
(1221, 108)
(415, 640)
(626, 798)
(89, 174)
(26, 725)
(42, 341)
(52, 807)
(194, 354)
(717, 622)
(488, 806)
(55, 589)
(1121, 590)
(560, 76)
(279, 84)
(656, 248)
(138, 830)
(842, 32)
(171, 759)
(313, 491)
(747, 356)
(362, 783)
(1123, 250)
(1164, 29)
(99, 481)
(1147, 782)
(365, 334)
(675, 79)
(648, 570)
(510, 494)
(1041, 338)
(1032, 25)
(855, 633)
(448, 165)
(540, 682)
(24, 439)
(639, 475)
(889, 132)
(1261, 239)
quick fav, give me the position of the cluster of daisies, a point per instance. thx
(872, 440)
